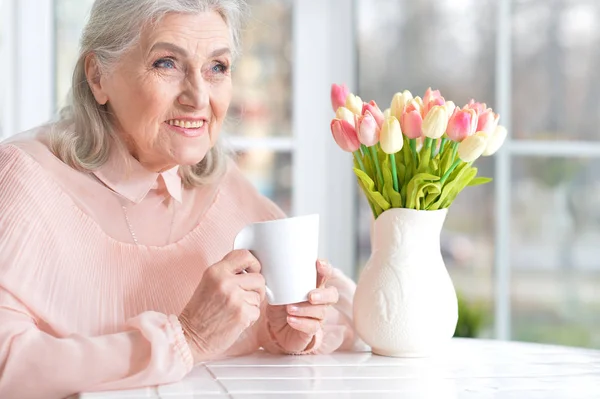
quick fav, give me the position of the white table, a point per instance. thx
(465, 369)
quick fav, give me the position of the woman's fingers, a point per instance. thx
(324, 272)
(253, 282)
(323, 296)
(253, 298)
(305, 325)
(305, 309)
(241, 260)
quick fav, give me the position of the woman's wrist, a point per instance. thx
(195, 342)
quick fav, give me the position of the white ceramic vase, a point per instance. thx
(405, 304)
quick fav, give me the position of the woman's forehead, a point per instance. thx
(192, 32)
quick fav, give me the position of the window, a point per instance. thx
(549, 200)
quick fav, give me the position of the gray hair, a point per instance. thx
(84, 134)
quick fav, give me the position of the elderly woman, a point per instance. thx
(117, 221)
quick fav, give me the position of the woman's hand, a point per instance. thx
(226, 302)
(295, 327)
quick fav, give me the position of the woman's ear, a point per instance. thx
(94, 79)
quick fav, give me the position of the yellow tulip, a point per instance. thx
(495, 141)
(354, 104)
(345, 114)
(472, 147)
(390, 137)
(387, 113)
(399, 102)
(435, 123)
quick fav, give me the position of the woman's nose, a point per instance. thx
(196, 93)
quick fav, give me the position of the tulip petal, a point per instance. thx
(495, 141)
(412, 123)
(354, 104)
(391, 136)
(368, 130)
(345, 114)
(375, 112)
(472, 147)
(344, 135)
(435, 123)
(338, 95)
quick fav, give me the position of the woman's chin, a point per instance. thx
(191, 157)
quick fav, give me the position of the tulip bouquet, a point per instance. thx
(418, 153)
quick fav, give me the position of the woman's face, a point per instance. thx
(169, 95)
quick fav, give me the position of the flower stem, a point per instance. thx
(449, 171)
(413, 149)
(377, 168)
(443, 144)
(454, 150)
(394, 172)
(359, 161)
(366, 154)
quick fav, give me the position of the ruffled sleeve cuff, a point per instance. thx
(180, 345)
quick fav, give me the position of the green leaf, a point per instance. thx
(453, 187)
(424, 161)
(447, 160)
(389, 193)
(373, 196)
(416, 187)
(479, 180)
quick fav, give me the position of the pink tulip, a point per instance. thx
(345, 135)
(478, 107)
(338, 95)
(487, 121)
(368, 129)
(435, 102)
(411, 123)
(430, 95)
(375, 112)
(460, 125)
(416, 104)
(430, 99)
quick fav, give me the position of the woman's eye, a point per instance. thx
(167, 63)
(219, 68)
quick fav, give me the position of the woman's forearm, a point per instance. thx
(38, 365)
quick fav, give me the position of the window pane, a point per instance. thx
(555, 255)
(398, 50)
(271, 174)
(262, 98)
(556, 69)
(71, 16)
(5, 13)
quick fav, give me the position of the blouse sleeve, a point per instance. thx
(36, 360)
(36, 364)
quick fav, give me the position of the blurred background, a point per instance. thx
(523, 252)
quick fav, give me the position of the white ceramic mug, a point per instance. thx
(287, 250)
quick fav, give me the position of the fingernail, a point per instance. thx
(315, 297)
(293, 320)
(293, 309)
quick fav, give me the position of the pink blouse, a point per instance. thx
(95, 267)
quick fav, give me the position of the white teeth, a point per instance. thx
(186, 124)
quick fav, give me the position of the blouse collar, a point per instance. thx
(126, 176)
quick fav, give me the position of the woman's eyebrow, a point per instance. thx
(182, 52)
(169, 46)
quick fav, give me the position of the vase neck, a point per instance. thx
(408, 228)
